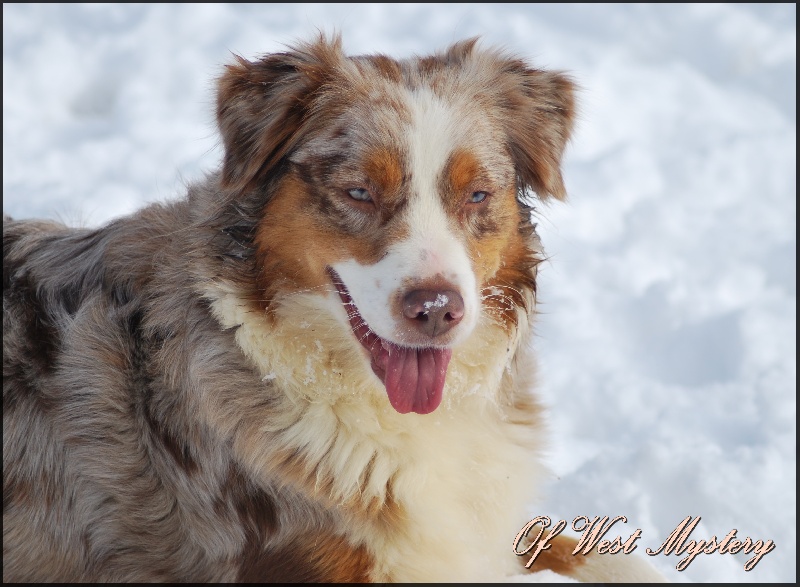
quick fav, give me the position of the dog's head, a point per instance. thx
(394, 187)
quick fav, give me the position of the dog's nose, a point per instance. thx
(433, 312)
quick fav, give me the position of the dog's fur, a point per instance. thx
(204, 391)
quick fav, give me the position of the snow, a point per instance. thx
(440, 302)
(668, 305)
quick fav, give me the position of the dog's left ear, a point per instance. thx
(538, 115)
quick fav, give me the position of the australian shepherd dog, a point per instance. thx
(315, 366)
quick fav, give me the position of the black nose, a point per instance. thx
(433, 312)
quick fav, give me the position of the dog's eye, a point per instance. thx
(478, 197)
(359, 194)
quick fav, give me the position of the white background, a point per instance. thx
(668, 308)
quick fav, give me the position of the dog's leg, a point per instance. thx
(591, 567)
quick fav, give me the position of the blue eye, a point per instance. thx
(478, 197)
(359, 194)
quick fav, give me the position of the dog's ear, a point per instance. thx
(264, 105)
(538, 113)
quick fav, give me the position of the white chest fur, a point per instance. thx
(460, 477)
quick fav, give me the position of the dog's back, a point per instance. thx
(91, 435)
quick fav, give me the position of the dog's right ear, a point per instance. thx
(263, 107)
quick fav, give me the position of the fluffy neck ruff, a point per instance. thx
(458, 478)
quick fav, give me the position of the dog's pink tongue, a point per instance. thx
(415, 378)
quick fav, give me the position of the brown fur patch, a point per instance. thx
(293, 247)
(316, 557)
(462, 170)
(453, 56)
(385, 167)
(506, 289)
(558, 558)
(504, 258)
(387, 67)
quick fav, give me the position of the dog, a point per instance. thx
(314, 367)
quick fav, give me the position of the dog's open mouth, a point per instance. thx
(414, 377)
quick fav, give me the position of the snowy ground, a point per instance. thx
(667, 335)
